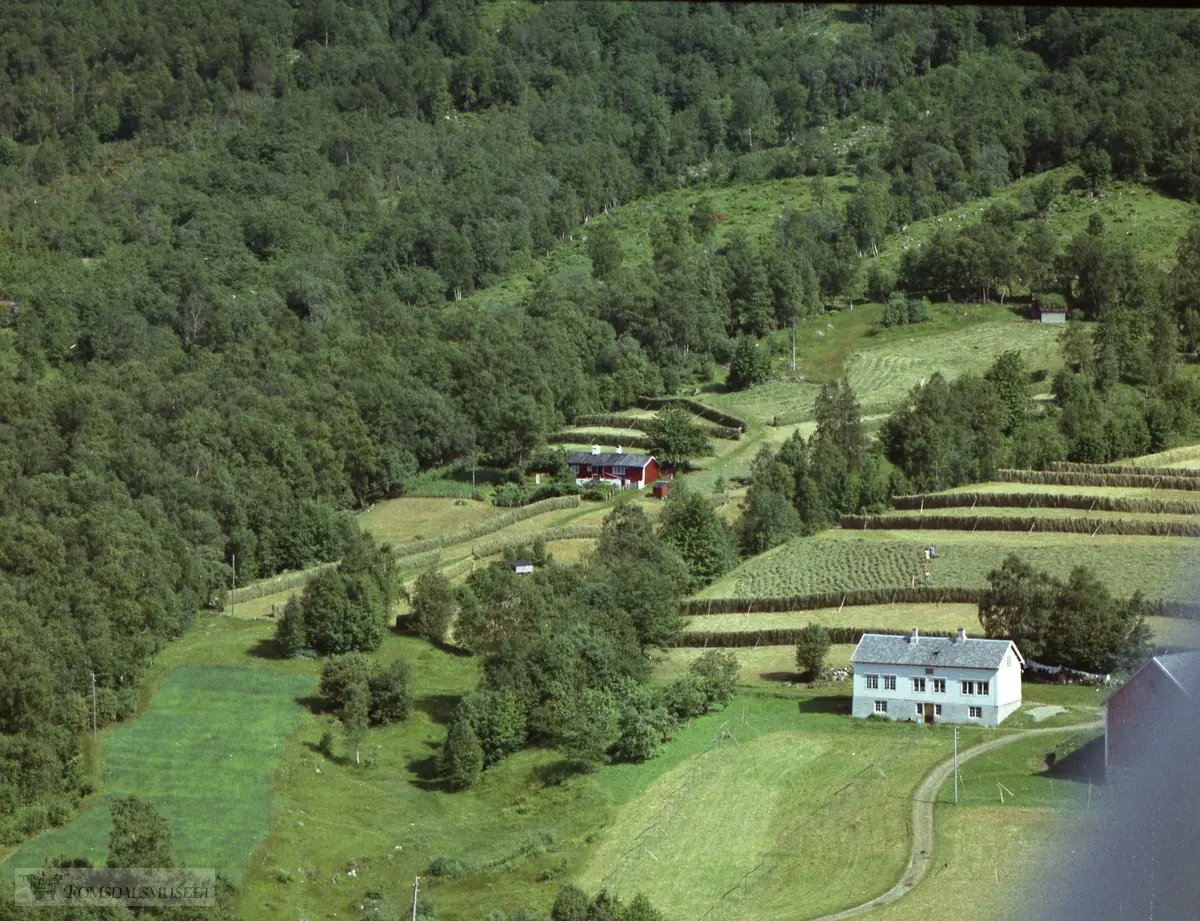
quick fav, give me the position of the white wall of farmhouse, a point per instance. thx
(1003, 695)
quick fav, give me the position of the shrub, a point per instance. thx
(686, 697)
(720, 673)
(391, 693)
(339, 674)
(462, 755)
(811, 651)
(443, 867)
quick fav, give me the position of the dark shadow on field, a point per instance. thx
(403, 627)
(438, 707)
(425, 771)
(839, 703)
(557, 772)
(340, 760)
(266, 648)
(779, 677)
(314, 704)
(1084, 765)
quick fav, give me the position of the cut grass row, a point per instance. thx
(844, 560)
(1044, 503)
(1124, 525)
(1181, 480)
(929, 618)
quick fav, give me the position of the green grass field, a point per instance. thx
(398, 520)
(697, 830)
(968, 339)
(762, 667)
(982, 856)
(930, 617)
(203, 753)
(838, 560)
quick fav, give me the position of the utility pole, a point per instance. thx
(793, 343)
(93, 706)
(233, 590)
(416, 889)
(955, 765)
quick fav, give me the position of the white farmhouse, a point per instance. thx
(937, 679)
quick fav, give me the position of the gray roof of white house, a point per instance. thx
(882, 649)
(608, 459)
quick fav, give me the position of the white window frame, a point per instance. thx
(872, 682)
(889, 682)
(618, 471)
(974, 713)
(937, 709)
(918, 685)
(939, 686)
(967, 687)
(982, 688)
(881, 706)
(920, 709)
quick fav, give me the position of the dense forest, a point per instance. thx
(236, 239)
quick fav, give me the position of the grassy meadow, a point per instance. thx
(822, 814)
(203, 752)
(929, 617)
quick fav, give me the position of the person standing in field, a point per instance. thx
(928, 577)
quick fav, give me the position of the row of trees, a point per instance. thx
(1074, 622)
(804, 486)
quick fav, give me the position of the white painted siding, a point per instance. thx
(1003, 697)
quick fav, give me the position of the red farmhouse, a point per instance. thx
(635, 471)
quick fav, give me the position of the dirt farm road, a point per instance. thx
(921, 854)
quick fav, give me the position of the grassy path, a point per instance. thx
(924, 800)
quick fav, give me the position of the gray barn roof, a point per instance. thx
(608, 459)
(880, 649)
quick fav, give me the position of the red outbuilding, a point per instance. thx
(629, 471)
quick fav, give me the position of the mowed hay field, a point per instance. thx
(929, 617)
(883, 375)
(768, 805)
(761, 666)
(397, 520)
(836, 560)
(982, 856)
(202, 753)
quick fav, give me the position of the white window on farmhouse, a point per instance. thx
(981, 688)
(975, 712)
(889, 682)
(968, 687)
(618, 471)
(920, 709)
(881, 706)
(937, 709)
(939, 686)
(919, 685)
(872, 682)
